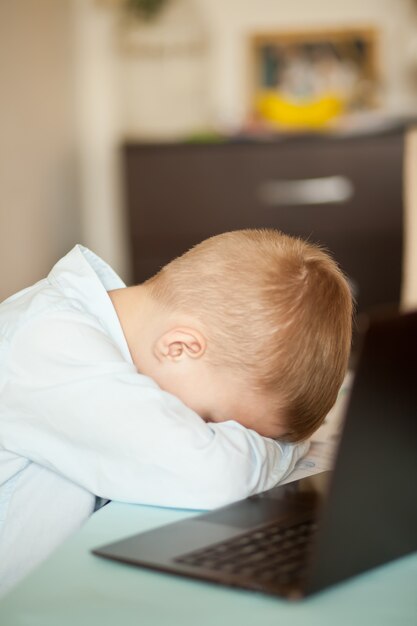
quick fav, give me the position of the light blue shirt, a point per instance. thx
(73, 405)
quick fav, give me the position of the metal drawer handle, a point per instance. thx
(330, 189)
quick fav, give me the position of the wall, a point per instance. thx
(409, 294)
(97, 103)
(38, 206)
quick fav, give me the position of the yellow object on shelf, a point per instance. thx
(280, 110)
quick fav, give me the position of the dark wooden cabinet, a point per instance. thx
(342, 192)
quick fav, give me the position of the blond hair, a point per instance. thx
(276, 309)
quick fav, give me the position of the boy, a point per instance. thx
(107, 388)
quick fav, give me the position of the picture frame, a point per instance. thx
(312, 78)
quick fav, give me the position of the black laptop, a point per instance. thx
(298, 538)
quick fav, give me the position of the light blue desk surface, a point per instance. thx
(75, 588)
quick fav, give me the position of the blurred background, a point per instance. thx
(103, 103)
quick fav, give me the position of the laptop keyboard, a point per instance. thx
(272, 554)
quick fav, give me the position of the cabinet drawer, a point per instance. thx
(344, 194)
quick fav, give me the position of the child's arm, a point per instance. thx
(44, 509)
(98, 422)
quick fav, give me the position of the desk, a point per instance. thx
(75, 588)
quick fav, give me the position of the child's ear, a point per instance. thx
(179, 343)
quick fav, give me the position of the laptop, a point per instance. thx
(301, 537)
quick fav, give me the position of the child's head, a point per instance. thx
(267, 311)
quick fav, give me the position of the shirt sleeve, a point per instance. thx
(73, 404)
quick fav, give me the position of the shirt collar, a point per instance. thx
(86, 278)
